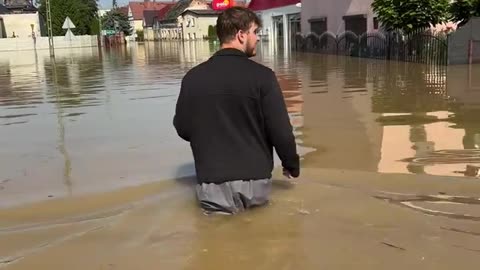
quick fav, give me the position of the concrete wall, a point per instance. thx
(334, 10)
(198, 27)
(19, 44)
(20, 24)
(459, 42)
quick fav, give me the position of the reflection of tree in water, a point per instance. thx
(118, 56)
(469, 120)
(78, 81)
(418, 138)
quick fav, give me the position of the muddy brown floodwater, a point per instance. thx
(93, 175)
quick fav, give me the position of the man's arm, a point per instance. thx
(278, 127)
(181, 120)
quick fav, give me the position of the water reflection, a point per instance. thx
(94, 120)
(386, 116)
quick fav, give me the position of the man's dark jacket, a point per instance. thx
(231, 110)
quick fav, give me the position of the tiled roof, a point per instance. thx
(3, 9)
(177, 9)
(138, 8)
(151, 16)
(258, 5)
(202, 12)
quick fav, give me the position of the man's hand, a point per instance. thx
(287, 174)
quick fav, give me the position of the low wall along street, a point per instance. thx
(21, 44)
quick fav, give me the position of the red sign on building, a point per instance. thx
(222, 4)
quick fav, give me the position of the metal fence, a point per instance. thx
(420, 47)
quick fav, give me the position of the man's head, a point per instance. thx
(237, 27)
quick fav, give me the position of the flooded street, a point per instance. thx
(106, 122)
(93, 175)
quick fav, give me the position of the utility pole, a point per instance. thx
(50, 29)
(114, 4)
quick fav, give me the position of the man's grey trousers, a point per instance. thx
(234, 196)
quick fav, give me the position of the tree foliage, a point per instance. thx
(462, 10)
(83, 14)
(410, 15)
(212, 31)
(109, 19)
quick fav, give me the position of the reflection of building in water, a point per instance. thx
(197, 51)
(464, 91)
(338, 121)
(16, 71)
(425, 136)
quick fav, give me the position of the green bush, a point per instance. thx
(140, 35)
(212, 32)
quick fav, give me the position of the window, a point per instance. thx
(193, 22)
(318, 25)
(375, 23)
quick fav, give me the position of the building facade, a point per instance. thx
(195, 23)
(173, 24)
(136, 13)
(281, 20)
(338, 16)
(21, 25)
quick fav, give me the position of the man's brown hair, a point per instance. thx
(234, 19)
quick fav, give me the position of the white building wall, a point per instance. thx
(195, 27)
(268, 32)
(267, 18)
(19, 44)
(21, 24)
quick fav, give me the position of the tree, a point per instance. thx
(462, 10)
(410, 15)
(83, 14)
(109, 19)
(212, 32)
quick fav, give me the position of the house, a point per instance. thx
(19, 18)
(281, 19)
(4, 10)
(135, 13)
(196, 23)
(150, 17)
(338, 16)
(20, 6)
(171, 27)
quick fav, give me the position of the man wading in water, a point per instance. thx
(231, 110)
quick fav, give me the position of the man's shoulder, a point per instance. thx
(204, 68)
(260, 67)
(194, 71)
